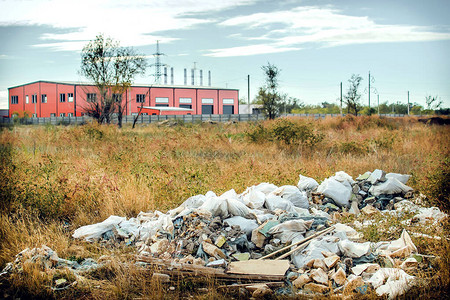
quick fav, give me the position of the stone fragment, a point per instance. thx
(262, 292)
(220, 241)
(331, 261)
(163, 278)
(187, 259)
(198, 262)
(301, 281)
(316, 288)
(339, 277)
(318, 263)
(369, 210)
(409, 263)
(257, 237)
(212, 250)
(242, 256)
(319, 276)
(353, 283)
(368, 268)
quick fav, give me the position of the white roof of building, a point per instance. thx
(166, 108)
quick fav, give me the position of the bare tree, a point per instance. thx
(112, 69)
(433, 102)
(268, 95)
(353, 96)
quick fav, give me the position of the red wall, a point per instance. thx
(53, 90)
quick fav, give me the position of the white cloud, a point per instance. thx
(132, 23)
(248, 50)
(326, 26)
(3, 99)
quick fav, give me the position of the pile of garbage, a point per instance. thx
(231, 230)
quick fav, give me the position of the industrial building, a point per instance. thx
(70, 99)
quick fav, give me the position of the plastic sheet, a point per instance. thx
(352, 249)
(95, 231)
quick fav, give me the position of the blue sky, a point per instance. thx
(405, 44)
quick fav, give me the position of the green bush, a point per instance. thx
(286, 132)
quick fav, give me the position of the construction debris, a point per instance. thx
(280, 236)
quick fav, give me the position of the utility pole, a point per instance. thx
(341, 98)
(369, 92)
(378, 96)
(158, 64)
(408, 103)
(248, 92)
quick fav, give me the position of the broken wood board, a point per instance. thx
(259, 267)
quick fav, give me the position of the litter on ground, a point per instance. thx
(281, 236)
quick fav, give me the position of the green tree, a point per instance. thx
(433, 102)
(111, 68)
(268, 95)
(353, 96)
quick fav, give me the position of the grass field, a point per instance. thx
(55, 179)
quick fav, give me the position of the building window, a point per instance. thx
(62, 114)
(144, 114)
(140, 98)
(34, 115)
(34, 98)
(62, 97)
(43, 98)
(52, 115)
(26, 99)
(14, 99)
(161, 105)
(70, 114)
(228, 101)
(70, 97)
(188, 106)
(161, 100)
(185, 101)
(207, 101)
(117, 97)
(91, 97)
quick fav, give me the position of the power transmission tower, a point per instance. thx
(158, 64)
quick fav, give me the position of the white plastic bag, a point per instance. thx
(391, 282)
(194, 201)
(314, 250)
(292, 194)
(344, 178)
(307, 183)
(335, 190)
(266, 188)
(237, 208)
(403, 178)
(216, 206)
(274, 202)
(289, 230)
(390, 186)
(246, 225)
(352, 249)
(253, 198)
(95, 231)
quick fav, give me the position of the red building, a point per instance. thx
(69, 99)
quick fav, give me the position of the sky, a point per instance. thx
(404, 44)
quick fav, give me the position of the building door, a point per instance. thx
(207, 109)
(228, 109)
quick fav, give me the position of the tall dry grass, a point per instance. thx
(55, 179)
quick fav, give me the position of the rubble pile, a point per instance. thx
(240, 233)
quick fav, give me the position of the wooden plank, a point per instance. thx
(259, 267)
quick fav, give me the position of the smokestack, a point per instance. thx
(201, 77)
(185, 76)
(193, 77)
(209, 78)
(165, 75)
(171, 75)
